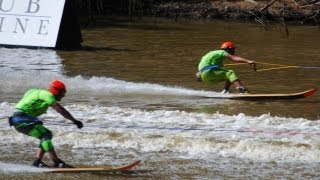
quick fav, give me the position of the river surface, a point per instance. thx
(133, 87)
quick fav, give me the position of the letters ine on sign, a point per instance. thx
(30, 22)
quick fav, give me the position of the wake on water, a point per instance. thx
(263, 138)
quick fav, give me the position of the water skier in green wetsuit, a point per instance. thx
(211, 68)
(34, 103)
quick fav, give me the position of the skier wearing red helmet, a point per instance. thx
(34, 103)
(211, 68)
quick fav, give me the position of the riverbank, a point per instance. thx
(284, 11)
(306, 12)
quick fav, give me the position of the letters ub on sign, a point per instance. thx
(30, 22)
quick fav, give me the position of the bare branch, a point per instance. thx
(268, 5)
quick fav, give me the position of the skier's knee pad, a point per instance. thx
(45, 141)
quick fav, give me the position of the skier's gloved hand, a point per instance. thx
(78, 124)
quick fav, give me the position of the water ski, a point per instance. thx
(284, 96)
(125, 167)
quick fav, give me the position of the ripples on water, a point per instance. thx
(168, 127)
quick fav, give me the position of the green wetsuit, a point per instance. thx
(35, 102)
(218, 74)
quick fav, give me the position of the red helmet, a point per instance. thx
(57, 87)
(227, 45)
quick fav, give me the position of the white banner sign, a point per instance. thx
(30, 22)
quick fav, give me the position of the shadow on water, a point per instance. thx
(140, 24)
(91, 48)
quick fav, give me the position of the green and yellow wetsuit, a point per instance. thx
(211, 68)
(34, 103)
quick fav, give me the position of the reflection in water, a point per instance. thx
(20, 59)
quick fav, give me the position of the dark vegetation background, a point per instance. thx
(262, 11)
